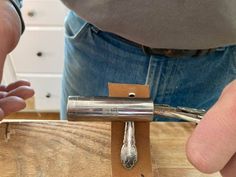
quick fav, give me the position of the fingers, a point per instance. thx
(230, 169)
(213, 142)
(14, 85)
(3, 94)
(2, 88)
(11, 104)
(19, 88)
(12, 97)
(17, 84)
(23, 92)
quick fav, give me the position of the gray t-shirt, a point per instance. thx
(180, 24)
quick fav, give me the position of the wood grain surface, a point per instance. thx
(81, 149)
(34, 115)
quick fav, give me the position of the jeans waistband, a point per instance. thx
(173, 53)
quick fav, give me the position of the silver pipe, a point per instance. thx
(126, 109)
(109, 109)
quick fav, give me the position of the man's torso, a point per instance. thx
(182, 24)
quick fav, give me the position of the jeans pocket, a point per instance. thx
(75, 27)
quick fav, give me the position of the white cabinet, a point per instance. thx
(43, 12)
(47, 89)
(40, 52)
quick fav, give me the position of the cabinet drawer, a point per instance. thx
(48, 13)
(47, 91)
(40, 51)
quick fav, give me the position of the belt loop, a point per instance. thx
(198, 53)
(95, 29)
(146, 50)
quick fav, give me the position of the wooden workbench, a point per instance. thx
(62, 149)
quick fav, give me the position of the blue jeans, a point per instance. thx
(93, 58)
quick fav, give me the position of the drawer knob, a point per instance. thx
(31, 13)
(39, 54)
(48, 95)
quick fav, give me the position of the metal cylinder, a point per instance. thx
(109, 109)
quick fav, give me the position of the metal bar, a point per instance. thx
(125, 109)
(109, 109)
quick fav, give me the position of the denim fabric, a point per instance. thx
(93, 58)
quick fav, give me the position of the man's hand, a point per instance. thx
(10, 30)
(13, 96)
(10, 27)
(212, 146)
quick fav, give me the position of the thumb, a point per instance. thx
(213, 142)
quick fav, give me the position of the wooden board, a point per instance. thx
(81, 149)
(34, 115)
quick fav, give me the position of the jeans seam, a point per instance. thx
(79, 33)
